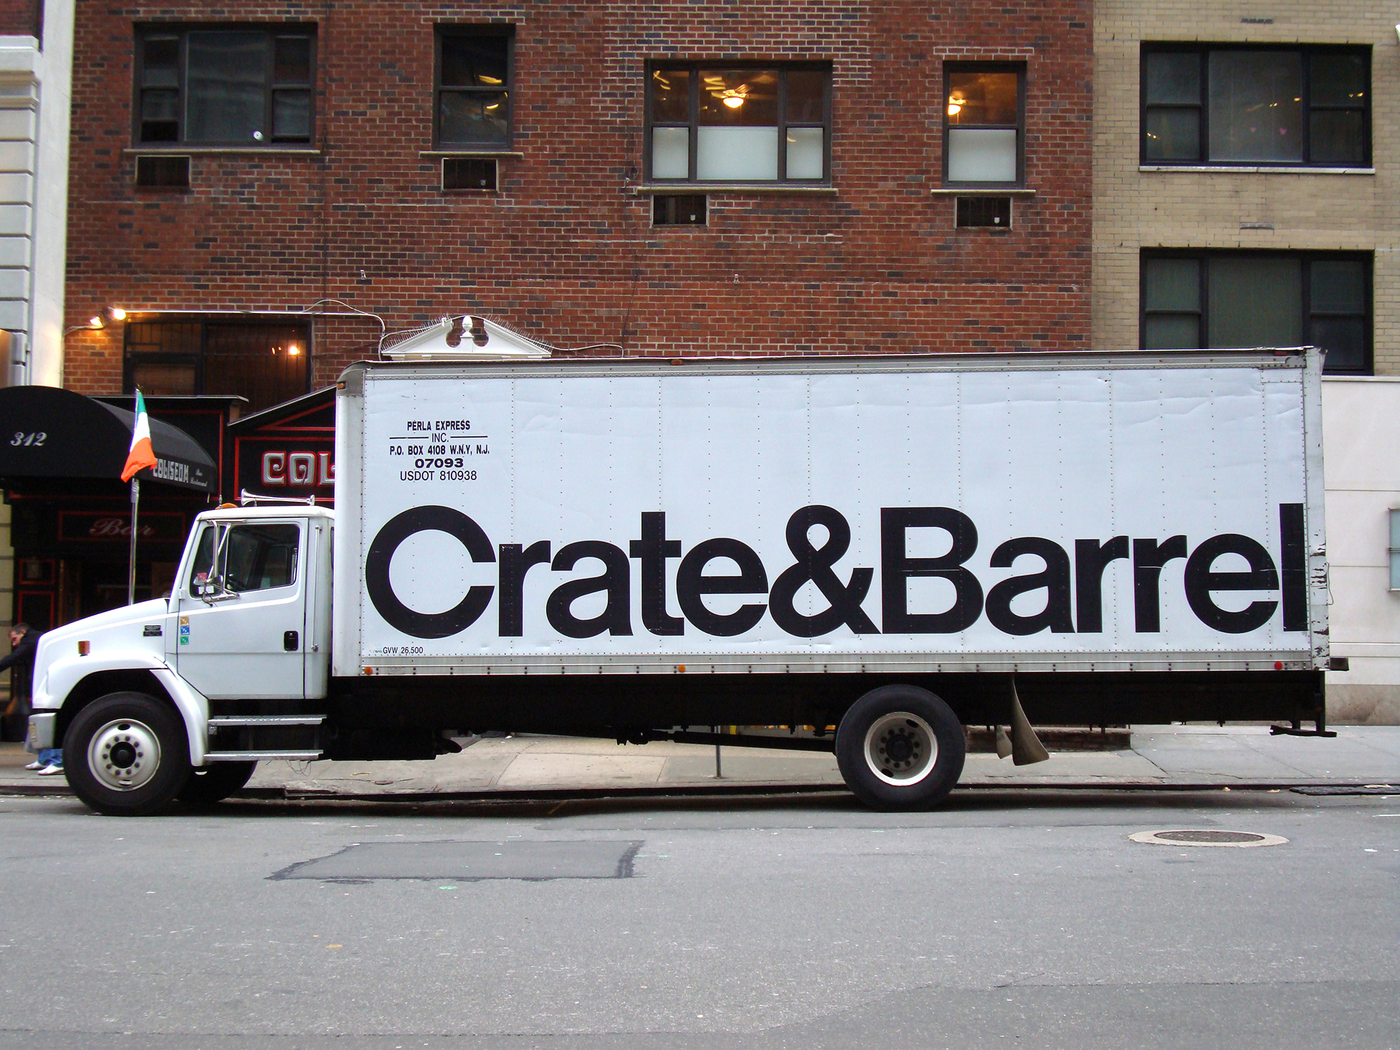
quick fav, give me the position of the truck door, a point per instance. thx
(242, 611)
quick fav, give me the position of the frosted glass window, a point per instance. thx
(736, 154)
(670, 153)
(981, 154)
(739, 123)
(982, 107)
(806, 153)
(1395, 550)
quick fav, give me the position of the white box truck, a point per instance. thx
(870, 551)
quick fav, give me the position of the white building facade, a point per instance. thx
(35, 102)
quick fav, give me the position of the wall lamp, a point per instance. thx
(105, 316)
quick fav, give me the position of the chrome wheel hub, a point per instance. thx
(124, 754)
(901, 748)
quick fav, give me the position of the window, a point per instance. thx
(472, 109)
(1237, 105)
(1245, 299)
(253, 557)
(731, 123)
(266, 363)
(257, 557)
(1395, 550)
(983, 125)
(245, 86)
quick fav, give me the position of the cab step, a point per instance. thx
(262, 756)
(246, 738)
(229, 721)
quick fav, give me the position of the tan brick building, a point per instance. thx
(1247, 192)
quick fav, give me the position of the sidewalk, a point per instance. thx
(1169, 757)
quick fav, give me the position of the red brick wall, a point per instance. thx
(564, 251)
(19, 17)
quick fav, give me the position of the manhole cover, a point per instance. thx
(1207, 837)
(470, 861)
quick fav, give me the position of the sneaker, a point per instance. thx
(51, 770)
(35, 765)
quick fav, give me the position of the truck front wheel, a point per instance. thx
(126, 754)
(900, 747)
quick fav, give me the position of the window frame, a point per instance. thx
(198, 360)
(473, 29)
(182, 30)
(219, 536)
(1203, 52)
(1019, 68)
(693, 124)
(1307, 315)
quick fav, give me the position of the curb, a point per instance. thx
(734, 790)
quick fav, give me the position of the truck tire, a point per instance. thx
(215, 782)
(126, 754)
(900, 747)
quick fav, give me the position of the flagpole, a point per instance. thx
(131, 568)
(139, 458)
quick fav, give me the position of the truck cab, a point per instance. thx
(180, 696)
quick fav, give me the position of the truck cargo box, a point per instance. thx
(1101, 512)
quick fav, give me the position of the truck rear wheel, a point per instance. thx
(215, 782)
(900, 747)
(126, 754)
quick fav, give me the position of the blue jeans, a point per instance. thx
(51, 756)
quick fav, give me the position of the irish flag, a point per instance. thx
(141, 455)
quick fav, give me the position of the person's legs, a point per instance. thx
(52, 757)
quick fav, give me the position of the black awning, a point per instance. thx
(48, 433)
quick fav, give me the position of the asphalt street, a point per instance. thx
(1017, 917)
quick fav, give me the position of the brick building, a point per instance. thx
(244, 177)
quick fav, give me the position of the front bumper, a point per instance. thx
(41, 730)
